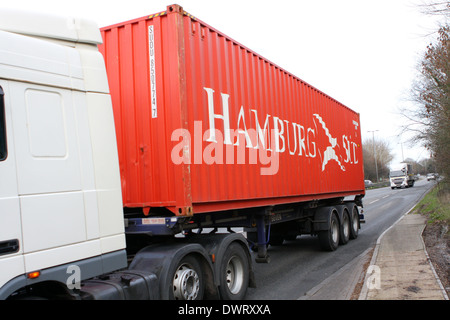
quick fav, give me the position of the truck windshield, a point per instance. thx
(3, 151)
(398, 173)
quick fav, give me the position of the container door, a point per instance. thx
(11, 260)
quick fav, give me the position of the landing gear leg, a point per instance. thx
(262, 256)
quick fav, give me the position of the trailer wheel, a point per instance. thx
(344, 235)
(329, 239)
(234, 273)
(187, 281)
(354, 229)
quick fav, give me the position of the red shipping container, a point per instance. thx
(205, 124)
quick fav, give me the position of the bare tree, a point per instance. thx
(432, 93)
(441, 8)
(379, 150)
(430, 120)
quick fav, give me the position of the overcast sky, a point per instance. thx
(363, 53)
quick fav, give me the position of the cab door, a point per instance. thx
(11, 258)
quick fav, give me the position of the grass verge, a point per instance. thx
(436, 204)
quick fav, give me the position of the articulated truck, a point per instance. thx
(159, 159)
(402, 176)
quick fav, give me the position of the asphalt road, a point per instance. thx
(298, 266)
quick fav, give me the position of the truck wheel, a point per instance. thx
(188, 282)
(329, 239)
(354, 223)
(234, 273)
(344, 235)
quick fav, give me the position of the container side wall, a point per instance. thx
(255, 134)
(316, 139)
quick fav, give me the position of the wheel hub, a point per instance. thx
(186, 283)
(235, 275)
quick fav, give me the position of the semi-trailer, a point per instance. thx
(158, 158)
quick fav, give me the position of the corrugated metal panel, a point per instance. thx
(200, 74)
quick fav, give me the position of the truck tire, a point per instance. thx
(344, 234)
(329, 239)
(187, 280)
(354, 222)
(234, 273)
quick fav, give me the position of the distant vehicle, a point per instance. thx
(431, 176)
(401, 176)
(368, 183)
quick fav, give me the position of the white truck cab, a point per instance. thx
(60, 192)
(401, 176)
